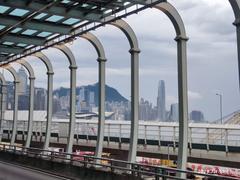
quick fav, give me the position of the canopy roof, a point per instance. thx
(28, 26)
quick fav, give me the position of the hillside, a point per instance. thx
(112, 95)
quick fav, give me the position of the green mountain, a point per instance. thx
(112, 95)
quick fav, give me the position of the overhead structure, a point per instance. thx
(28, 26)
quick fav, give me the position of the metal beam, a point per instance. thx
(8, 49)
(35, 24)
(54, 10)
(23, 39)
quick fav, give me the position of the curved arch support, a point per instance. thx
(134, 51)
(73, 70)
(16, 92)
(236, 9)
(31, 100)
(181, 39)
(50, 74)
(101, 86)
(46, 61)
(3, 102)
(96, 43)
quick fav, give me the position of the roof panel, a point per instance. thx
(16, 30)
(8, 43)
(71, 21)
(3, 9)
(21, 45)
(40, 16)
(32, 25)
(54, 18)
(2, 27)
(44, 34)
(19, 12)
(29, 32)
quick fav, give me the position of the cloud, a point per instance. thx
(194, 95)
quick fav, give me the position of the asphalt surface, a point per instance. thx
(15, 172)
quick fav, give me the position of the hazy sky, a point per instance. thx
(212, 57)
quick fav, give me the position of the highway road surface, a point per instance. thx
(15, 172)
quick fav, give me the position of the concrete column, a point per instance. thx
(183, 102)
(49, 109)
(30, 113)
(50, 74)
(101, 106)
(73, 70)
(134, 104)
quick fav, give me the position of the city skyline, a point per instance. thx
(86, 102)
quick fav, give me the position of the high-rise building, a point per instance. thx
(23, 81)
(173, 115)
(161, 107)
(196, 116)
(40, 102)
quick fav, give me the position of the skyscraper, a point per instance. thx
(23, 81)
(197, 116)
(173, 115)
(161, 107)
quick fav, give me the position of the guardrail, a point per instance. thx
(110, 165)
(225, 135)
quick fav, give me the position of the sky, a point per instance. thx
(212, 57)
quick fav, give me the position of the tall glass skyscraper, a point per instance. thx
(161, 102)
(23, 81)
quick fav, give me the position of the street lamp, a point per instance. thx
(220, 99)
(221, 116)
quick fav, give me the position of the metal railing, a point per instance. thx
(207, 134)
(106, 164)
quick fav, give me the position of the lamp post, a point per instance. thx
(221, 116)
(220, 99)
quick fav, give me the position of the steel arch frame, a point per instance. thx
(50, 74)
(16, 92)
(31, 99)
(101, 86)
